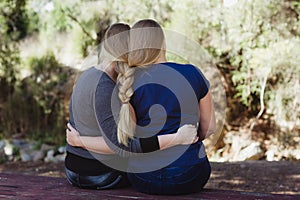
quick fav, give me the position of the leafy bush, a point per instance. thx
(254, 42)
(13, 19)
(37, 108)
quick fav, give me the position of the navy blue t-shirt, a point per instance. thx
(166, 96)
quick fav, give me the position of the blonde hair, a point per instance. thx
(115, 46)
(145, 47)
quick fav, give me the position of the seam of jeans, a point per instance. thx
(70, 177)
(78, 180)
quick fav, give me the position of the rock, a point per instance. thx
(296, 154)
(24, 150)
(62, 149)
(46, 147)
(9, 149)
(48, 159)
(37, 155)
(25, 155)
(20, 143)
(50, 156)
(2, 144)
(251, 152)
(59, 158)
(270, 155)
(50, 153)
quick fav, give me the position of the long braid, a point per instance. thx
(126, 124)
(145, 47)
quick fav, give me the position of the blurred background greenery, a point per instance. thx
(255, 45)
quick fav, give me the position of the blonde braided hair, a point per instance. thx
(145, 47)
(126, 125)
(115, 46)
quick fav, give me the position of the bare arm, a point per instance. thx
(185, 135)
(207, 120)
(96, 144)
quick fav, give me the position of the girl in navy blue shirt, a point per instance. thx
(163, 96)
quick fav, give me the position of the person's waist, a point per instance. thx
(177, 156)
(193, 155)
(85, 166)
(89, 154)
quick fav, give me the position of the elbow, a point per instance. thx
(212, 128)
(206, 131)
(119, 151)
(210, 132)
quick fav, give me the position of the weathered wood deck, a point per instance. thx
(23, 187)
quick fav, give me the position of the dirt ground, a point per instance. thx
(251, 176)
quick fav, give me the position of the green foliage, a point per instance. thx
(46, 81)
(255, 41)
(9, 60)
(279, 62)
(295, 6)
(11, 29)
(33, 25)
(13, 19)
(79, 19)
(254, 44)
(86, 21)
(36, 105)
(47, 85)
(54, 15)
(36, 108)
(59, 20)
(159, 10)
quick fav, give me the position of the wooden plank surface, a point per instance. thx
(23, 187)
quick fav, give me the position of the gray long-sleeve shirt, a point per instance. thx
(91, 114)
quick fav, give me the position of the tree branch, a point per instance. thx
(262, 104)
(80, 25)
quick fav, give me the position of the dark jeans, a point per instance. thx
(109, 180)
(172, 180)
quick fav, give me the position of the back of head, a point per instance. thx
(116, 41)
(145, 47)
(115, 48)
(146, 43)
